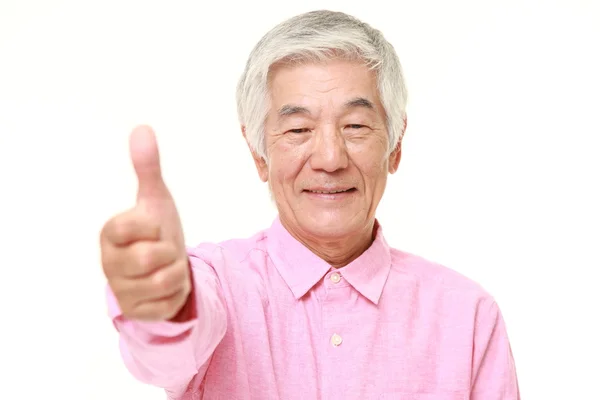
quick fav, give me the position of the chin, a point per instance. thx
(332, 225)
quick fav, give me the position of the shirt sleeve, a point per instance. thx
(494, 374)
(170, 354)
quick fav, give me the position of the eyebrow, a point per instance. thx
(291, 109)
(360, 102)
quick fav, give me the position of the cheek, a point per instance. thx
(373, 167)
(376, 172)
(286, 165)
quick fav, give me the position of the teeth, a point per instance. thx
(328, 192)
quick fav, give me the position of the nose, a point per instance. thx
(329, 151)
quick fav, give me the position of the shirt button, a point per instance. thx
(336, 340)
(335, 277)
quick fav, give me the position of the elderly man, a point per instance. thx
(317, 306)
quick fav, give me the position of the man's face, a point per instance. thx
(327, 147)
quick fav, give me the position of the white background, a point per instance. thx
(499, 177)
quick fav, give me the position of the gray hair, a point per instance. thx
(318, 36)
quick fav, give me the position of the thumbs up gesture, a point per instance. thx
(143, 250)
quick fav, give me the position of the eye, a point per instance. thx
(355, 126)
(299, 130)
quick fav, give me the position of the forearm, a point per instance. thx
(169, 354)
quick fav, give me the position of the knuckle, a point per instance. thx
(164, 281)
(146, 256)
(160, 282)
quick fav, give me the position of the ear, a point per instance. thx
(261, 164)
(396, 155)
(394, 160)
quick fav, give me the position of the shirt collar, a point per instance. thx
(301, 269)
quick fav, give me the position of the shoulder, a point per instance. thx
(233, 251)
(436, 278)
(442, 291)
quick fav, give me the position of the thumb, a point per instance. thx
(146, 162)
(153, 195)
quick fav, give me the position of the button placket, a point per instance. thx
(336, 351)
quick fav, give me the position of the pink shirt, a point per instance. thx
(277, 322)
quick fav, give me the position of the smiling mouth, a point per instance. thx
(331, 191)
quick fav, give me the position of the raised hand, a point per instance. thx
(143, 249)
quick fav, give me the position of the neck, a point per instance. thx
(337, 252)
